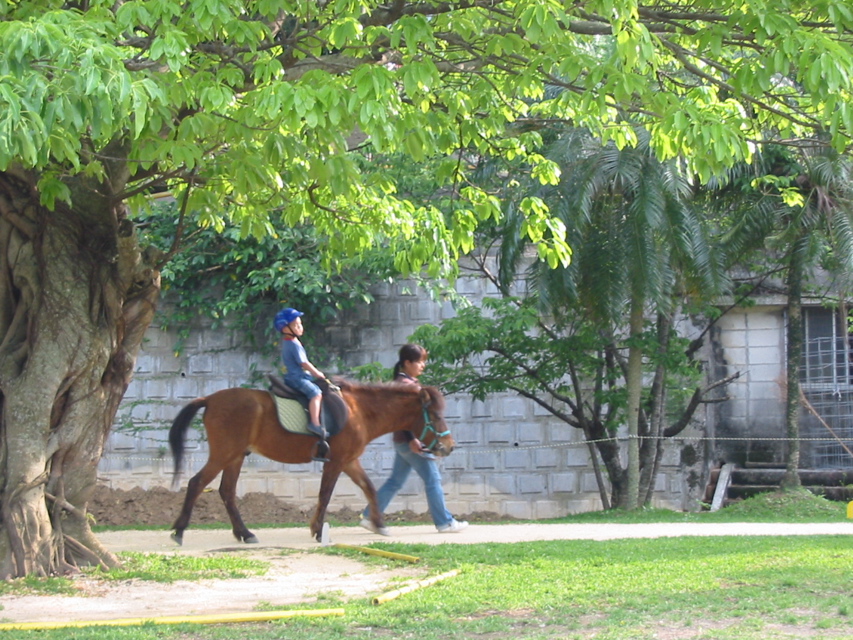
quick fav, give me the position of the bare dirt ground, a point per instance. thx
(160, 506)
(301, 570)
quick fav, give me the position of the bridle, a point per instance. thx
(430, 428)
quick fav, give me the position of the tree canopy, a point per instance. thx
(250, 107)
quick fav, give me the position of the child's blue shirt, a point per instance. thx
(292, 356)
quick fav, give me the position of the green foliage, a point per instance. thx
(244, 280)
(372, 372)
(241, 110)
(509, 345)
(632, 220)
(785, 195)
(640, 249)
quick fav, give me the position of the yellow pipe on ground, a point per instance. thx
(378, 552)
(385, 597)
(249, 616)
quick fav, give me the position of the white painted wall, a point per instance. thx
(752, 341)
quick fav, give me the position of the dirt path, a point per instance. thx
(196, 540)
(300, 574)
(299, 538)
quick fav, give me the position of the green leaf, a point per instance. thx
(345, 31)
(52, 189)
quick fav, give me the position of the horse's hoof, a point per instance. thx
(178, 539)
(253, 539)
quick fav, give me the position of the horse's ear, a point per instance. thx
(426, 398)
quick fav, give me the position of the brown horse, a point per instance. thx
(242, 421)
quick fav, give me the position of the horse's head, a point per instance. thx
(436, 434)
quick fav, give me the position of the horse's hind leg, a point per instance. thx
(194, 488)
(357, 474)
(228, 493)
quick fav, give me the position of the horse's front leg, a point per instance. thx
(331, 473)
(358, 475)
(228, 493)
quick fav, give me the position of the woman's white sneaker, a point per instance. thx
(455, 526)
(367, 524)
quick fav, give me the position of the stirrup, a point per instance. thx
(321, 451)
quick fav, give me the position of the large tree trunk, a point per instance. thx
(616, 473)
(634, 384)
(75, 300)
(791, 479)
(651, 449)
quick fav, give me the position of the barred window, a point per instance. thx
(827, 348)
(826, 378)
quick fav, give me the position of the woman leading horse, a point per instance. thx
(241, 421)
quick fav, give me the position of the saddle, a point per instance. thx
(334, 412)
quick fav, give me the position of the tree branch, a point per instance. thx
(694, 403)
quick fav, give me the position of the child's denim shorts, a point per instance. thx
(303, 385)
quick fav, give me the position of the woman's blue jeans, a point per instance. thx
(426, 467)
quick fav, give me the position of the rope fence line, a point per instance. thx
(836, 438)
(524, 447)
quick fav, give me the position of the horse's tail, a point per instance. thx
(177, 435)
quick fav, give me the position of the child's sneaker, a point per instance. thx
(454, 527)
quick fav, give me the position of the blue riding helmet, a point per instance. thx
(285, 317)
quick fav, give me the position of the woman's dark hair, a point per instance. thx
(409, 353)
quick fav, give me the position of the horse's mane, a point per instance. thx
(346, 383)
(386, 387)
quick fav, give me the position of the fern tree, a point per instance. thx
(595, 342)
(640, 249)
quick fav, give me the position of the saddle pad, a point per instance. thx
(291, 415)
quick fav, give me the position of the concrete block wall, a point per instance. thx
(512, 458)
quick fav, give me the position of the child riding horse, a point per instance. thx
(239, 421)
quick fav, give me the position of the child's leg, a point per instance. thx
(322, 452)
(314, 408)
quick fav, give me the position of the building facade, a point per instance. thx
(749, 428)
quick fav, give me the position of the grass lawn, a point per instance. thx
(700, 588)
